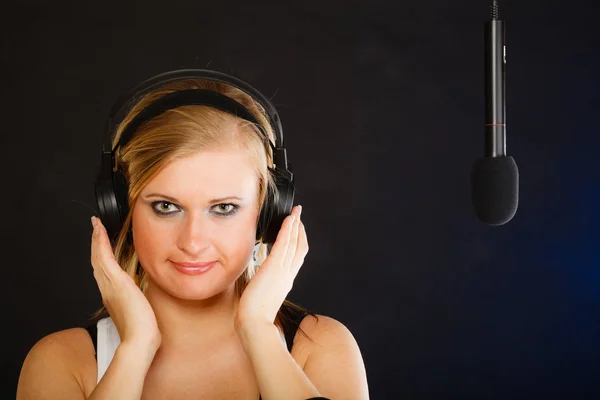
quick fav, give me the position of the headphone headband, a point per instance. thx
(191, 97)
(132, 95)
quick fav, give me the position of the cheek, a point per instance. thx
(232, 239)
(148, 245)
(236, 239)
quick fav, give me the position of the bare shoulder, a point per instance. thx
(323, 325)
(324, 331)
(60, 362)
(67, 340)
(335, 364)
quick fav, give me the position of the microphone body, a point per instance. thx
(495, 90)
(495, 177)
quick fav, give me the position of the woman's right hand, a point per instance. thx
(129, 309)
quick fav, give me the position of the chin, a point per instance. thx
(191, 291)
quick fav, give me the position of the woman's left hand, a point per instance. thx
(274, 279)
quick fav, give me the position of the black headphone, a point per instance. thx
(111, 186)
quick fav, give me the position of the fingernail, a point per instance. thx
(93, 221)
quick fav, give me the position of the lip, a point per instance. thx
(193, 268)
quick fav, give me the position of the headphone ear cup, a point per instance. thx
(111, 196)
(107, 205)
(264, 217)
(121, 194)
(277, 208)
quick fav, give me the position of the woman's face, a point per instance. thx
(198, 209)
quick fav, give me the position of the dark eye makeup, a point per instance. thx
(223, 207)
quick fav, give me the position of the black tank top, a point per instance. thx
(290, 321)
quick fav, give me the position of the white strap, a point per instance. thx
(108, 341)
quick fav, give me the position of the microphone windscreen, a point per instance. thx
(495, 189)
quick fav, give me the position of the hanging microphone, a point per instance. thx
(495, 177)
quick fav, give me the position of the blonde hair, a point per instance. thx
(181, 132)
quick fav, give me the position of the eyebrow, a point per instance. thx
(174, 200)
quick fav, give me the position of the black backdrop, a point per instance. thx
(382, 107)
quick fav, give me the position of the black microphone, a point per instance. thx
(495, 177)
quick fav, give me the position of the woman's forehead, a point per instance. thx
(205, 176)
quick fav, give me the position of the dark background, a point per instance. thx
(382, 107)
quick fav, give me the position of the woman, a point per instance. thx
(196, 305)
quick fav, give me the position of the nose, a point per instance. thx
(194, 235)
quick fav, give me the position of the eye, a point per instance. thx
(223, 210)
(226, 209)
(160, 210)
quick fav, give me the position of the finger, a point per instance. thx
(99, 274)
(279, 249)
(291, 250)
(103, 258)
(301, 250)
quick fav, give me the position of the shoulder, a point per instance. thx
(66, 356)
(315, 332)
(64, 339)
(65, 345)
(334, 364)
(323, 330)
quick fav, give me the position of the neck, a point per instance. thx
(193, 324)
